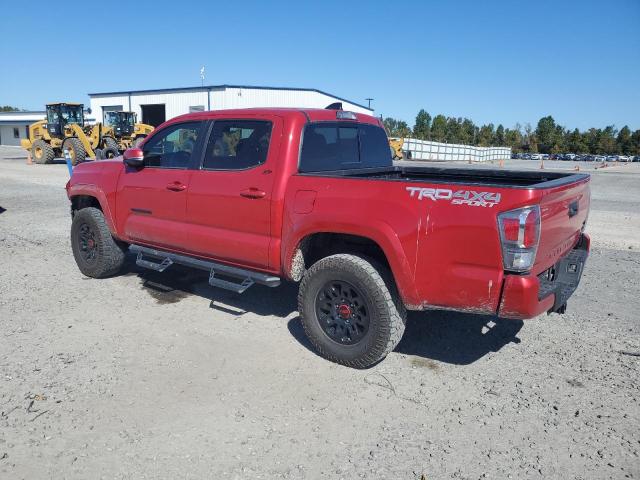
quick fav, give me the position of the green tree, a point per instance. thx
(635, 143)
(422, 127)
(454, 130)
(607, 142)
(513, 138)
(8, 108)
(546, 133)
(500, 136)
(575, 142)
(439, 128)
(467, 132)
(396, 128)
(624, 141)
(486, 135)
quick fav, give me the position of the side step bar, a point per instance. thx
(159, 261)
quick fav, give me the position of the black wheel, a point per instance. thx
(349, 312)
(110, 143)
(97, 253)
(76, 151)
(41, 152)
(137, 141)
(110, 152)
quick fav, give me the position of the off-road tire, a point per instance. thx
(110, 152)
(387, 315)
(76, 150)
(42, 152)
(109, 254)
(111, 147)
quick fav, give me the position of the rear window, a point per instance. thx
(343, 146)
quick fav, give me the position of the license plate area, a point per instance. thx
(564, 277)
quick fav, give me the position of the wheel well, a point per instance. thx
(83, 201)
(320, 245)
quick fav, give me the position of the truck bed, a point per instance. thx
(465, 176)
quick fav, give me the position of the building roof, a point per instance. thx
(221, 87)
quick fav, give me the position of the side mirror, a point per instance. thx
(133, 157)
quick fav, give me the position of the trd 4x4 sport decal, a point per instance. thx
(458, 197)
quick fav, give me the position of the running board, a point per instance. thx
(159, 261)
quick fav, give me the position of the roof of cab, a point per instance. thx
(311, 114)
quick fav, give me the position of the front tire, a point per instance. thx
(349, 312)
(41, 152)
(96, 252)
(76, 151)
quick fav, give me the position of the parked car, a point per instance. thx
(536, 156)
(312, 196)
(623, 158)
(570, 156)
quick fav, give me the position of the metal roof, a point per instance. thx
(220, 87)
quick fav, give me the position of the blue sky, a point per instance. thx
(502, 61)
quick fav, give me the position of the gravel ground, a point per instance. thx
(160, 376)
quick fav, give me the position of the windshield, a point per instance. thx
(72, 114)
(110, 118)
(119, 118)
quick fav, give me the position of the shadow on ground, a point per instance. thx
(2, 210)
(449, 337)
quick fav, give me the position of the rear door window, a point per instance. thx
(237, 144)
(343, 146)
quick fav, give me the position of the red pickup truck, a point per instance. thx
(312, 196)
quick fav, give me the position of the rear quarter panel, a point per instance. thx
(441, 255)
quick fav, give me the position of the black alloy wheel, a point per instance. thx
(342, 312)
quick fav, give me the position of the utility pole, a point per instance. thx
(369, 102)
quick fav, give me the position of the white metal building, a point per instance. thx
(155, 106)
(14, 126)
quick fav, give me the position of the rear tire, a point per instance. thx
(97, 253)
(110, 142)
(76, 150)
(110, 152)
(41, 152)
(349, 312)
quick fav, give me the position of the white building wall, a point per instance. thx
(251, 98)
(7, 134)
(19, 120)
(178, 102)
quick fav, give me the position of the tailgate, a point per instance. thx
(564, 210)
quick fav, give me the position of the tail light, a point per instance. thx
(519, 236)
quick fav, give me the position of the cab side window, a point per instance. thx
(173, 147)
(237, 145)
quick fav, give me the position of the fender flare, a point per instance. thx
(379, 232)
(97, 193)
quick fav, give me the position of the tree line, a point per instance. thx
(547, 137)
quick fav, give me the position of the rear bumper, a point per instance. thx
(527, 296)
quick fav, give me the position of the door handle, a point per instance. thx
(176, 186)
(252, 193)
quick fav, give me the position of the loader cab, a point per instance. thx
(61, 114)
(123, 123)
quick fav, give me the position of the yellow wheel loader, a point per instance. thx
(64, 129)
(127, 131)
(396, 148)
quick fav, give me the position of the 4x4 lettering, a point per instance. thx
(459, 197)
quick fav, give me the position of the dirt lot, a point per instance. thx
(147, 376)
